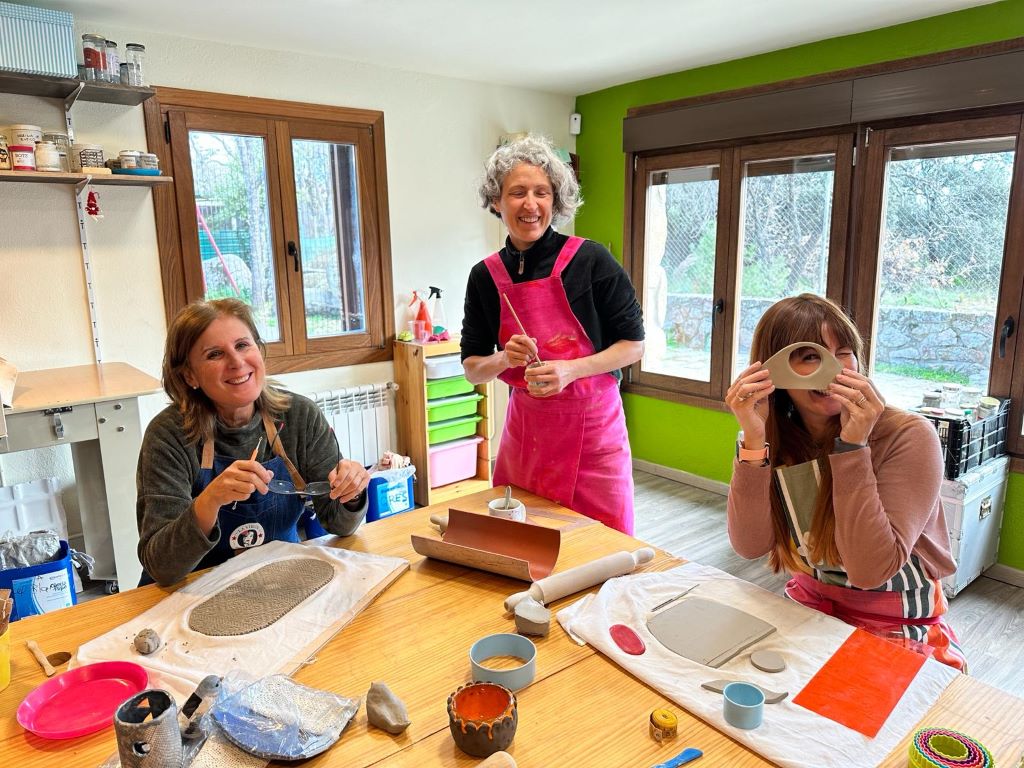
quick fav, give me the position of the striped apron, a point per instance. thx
(907, 610)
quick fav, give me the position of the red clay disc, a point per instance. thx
(628, 640)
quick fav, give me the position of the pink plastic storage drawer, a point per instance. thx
(454, 461)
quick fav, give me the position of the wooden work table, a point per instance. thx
(581, 709)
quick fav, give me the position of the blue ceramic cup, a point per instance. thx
(743, 705)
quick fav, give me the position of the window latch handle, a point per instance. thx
(1007, 331)
(293, 251)
(717, 309)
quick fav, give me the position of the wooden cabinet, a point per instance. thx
(411, 408)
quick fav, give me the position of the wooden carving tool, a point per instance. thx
(41, 658)
(519, 323)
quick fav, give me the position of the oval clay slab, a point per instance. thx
(256, 601)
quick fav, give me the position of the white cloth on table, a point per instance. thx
(790, 736)
(186, 657)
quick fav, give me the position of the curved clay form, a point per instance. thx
(256, 601)
(482, 718)
(518, 550)
(784, 377)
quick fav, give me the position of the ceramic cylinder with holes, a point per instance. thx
(482, 718)
(146, 727)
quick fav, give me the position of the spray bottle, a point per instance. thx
(437, 310)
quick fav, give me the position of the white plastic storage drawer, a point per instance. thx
(973, 505)
(444, 366)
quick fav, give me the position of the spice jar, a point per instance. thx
(23, 157)
(94, 54)
(149, 160)
(60, 140)
(135, 54)
(129, 158)
(113, 70)
(47, 158)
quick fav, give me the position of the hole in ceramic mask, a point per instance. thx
(482, 702)
(804, 361)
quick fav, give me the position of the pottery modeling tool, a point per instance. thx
(504, 644)
(582, 577)
(688, 755)
(519, 323)
(41, 658)
(663, 725)
(784, 377)
(255, 453)
(942, 748)
(627, 639)
(770, 697)
(441, 521)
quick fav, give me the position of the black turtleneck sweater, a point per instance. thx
(599, 291)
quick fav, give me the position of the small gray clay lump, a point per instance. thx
(532, 618)
(147, 641)
(385, 710)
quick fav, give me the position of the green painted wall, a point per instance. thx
(694, 439)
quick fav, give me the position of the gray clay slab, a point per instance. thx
(768, 661)
(784, 377)
(706, 631)
(770, 697)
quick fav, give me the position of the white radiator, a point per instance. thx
(361, 417)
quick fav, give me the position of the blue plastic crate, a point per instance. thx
(41, 588)
(389, 497)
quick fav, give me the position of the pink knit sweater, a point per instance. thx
(886, 500)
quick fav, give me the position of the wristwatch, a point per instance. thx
(757, 456)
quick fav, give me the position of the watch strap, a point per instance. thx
(752, 455)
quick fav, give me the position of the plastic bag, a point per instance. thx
(279, 719)
(24, 551)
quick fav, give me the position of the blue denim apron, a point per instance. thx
(258, 519)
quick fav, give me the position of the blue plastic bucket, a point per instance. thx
(390, 495)
(41, 588)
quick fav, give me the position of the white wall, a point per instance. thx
(438, 132)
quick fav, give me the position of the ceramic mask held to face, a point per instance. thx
(780, 366)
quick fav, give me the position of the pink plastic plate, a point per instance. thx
(81, 700)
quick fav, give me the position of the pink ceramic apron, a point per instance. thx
(571, 447)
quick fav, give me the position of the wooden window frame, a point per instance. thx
(731, 159)
(165, 115)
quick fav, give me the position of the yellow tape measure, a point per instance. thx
(663, 725)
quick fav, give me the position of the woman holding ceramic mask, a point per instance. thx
(209, 459)
(555, 318)
(834, 486)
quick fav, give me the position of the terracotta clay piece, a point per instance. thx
(532, 618)
(147, 641)
(499, 760)
(385, 710)
(482, 718)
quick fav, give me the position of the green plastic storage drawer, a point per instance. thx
(454, 385)
(452, 429)
(452, 407)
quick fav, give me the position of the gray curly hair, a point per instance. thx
(537, 151)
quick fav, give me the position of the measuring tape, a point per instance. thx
(947, 749)
(663, 725)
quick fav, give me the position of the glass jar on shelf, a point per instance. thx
(113, 69)
(135, 56)
(60, 141)
(94, 55)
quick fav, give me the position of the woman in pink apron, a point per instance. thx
(565, 431)
(839, 489)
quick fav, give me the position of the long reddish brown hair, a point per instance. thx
(788, 321)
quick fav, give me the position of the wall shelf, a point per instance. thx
(112, 180)
(63, 87)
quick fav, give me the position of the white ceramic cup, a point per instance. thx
(517, 512)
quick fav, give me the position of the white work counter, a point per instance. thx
(94, 409)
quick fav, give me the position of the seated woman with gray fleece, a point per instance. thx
(208, 459)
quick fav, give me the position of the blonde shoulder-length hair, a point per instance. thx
(788, 321)
(199, 415)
